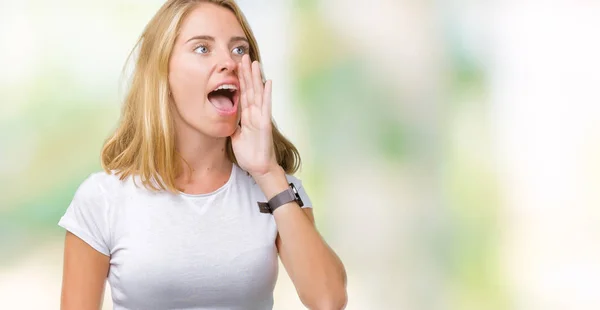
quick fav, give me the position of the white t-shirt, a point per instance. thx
(180, 251)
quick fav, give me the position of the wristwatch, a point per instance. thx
(287, 196)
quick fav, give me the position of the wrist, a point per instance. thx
(273, 170)
(272, 182)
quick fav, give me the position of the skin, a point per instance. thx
(316, 271)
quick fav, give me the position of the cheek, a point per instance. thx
(187, 79)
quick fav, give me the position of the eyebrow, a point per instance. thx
(209, 38)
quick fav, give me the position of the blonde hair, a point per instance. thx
(144, 142)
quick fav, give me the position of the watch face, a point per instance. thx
(296, 195)
(294, 189)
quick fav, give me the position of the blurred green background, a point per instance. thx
(450, 147)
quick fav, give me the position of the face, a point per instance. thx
(202, 71)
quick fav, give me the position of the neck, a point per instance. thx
(200, 159)
(201, 155)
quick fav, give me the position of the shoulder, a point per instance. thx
(247, 178)
(98, 184)
(293, 179)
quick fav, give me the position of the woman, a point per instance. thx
(196, 200)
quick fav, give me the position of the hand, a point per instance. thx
(252, 142)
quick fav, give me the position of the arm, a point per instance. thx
(84, 275)
(316, 271)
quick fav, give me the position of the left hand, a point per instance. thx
(252, 142)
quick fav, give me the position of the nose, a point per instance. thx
(226, 64)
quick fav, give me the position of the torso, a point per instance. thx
(212, 251)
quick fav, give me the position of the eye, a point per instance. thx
(202, 49)
(240, 50)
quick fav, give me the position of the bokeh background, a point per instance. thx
(451, 148)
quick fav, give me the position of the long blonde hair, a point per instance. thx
(144, 142)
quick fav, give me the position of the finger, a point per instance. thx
(258, 84)
(244, 106)
(247, 73)
(243, 99)
(268, 94)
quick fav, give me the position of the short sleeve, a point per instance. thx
(301, 191)
(87, 215)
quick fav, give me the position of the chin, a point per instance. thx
(222, 130)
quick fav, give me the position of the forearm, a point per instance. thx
(316, 271)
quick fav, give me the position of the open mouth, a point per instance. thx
(224, 98)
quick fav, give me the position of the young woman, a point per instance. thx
(196, 200)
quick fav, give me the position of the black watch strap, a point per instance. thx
(287, 196)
